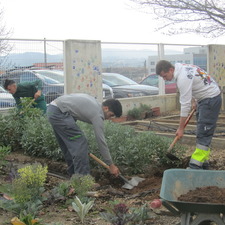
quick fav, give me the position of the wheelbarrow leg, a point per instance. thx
(201, 217)
(186, 218)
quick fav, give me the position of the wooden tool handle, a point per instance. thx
(106, 166)
(99, 160)
(185, 124)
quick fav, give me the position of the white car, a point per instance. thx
(6, 99)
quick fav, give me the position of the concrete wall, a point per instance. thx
(82, 66)
(166, 103)
(216, 64)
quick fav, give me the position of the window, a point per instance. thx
(27, 77)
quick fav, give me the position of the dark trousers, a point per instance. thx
(71, 140)
(207, 116)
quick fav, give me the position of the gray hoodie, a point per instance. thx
(86, 108)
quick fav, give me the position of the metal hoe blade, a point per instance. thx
(130, 184)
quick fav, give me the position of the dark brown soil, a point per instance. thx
(210, 194)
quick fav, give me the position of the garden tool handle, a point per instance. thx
(185, 124)
(105, 165)
(99, 160)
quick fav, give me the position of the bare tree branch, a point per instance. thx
(206, 17)
(5, 47)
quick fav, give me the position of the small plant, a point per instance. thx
(120, 214)
(142, 215)
(29, 185)
(81, 184)
(82, 209)
(25, 190)
(25, 220)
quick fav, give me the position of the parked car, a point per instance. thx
(123, 87)
(58, 75)
(153, 80)
(51, 87)
(6, 99)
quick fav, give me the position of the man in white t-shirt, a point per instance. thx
(197, 89)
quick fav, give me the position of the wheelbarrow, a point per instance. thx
(177, 182)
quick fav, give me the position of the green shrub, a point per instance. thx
(38, 139)
(133, 152)
(137, 112)
(28, 186)
(81, 184)
(13, 124)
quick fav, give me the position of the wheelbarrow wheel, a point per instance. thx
(201, 219)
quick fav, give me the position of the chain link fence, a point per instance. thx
(29, 59)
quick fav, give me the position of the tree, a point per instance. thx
(205, 17)
(5, 47)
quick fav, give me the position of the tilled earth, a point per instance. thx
(110, 190)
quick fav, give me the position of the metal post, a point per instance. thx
(45, 54)
(161, 81)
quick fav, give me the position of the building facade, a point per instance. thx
(194, 55)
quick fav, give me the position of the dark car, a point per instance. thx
(123, 87)
(153, 80)
(59, 76)
(51, 87)
(6, 99)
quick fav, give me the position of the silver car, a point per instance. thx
(123, 87)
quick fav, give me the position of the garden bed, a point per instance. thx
(110, 190)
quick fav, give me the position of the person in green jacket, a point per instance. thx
(27, 89)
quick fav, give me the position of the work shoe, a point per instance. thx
(194, 166)
(205, 166)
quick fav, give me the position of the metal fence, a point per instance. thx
(134, 60)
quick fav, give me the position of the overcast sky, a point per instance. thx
(104, 20)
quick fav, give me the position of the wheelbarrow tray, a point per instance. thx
(176, 182)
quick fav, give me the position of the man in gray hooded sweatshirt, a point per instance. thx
(63, 113)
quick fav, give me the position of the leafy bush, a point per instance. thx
(4, 151)
(38, 139)
(13, 124)
(132, 152)
(81, 184)
(137, 112)
(26, 190)
(29, 185)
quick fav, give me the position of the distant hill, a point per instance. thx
(29, 58)
(110, 58)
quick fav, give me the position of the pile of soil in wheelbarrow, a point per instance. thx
(208, 194)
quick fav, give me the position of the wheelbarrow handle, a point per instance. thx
(185, 124)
